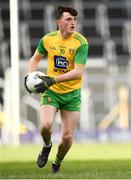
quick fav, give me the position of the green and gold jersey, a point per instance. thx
(62, 55)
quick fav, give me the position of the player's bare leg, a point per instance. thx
(69, 122)
(47, 116)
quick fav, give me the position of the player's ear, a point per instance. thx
(58, 22)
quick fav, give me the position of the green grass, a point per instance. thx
(84, 161)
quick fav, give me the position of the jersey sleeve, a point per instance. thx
(81, 54)
(41, 48)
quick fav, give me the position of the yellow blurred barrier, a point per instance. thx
(120, 110)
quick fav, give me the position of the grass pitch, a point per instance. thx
(84, 161)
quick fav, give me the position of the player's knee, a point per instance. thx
(67, 138)
(46, 127)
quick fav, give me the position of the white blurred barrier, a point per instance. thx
(102, 21)
(1, 27)
(26, 8)
(109, 51)
(49, 23)
(25, 43)
(127, 36)
(78, 5)
(5, 61)
(7, 120)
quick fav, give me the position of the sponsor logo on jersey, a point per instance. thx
(60, 62)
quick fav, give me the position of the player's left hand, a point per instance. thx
(45, 84)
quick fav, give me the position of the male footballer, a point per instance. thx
(66, 51)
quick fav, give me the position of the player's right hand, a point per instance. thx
(45, 84)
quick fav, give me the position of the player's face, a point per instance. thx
(67, 23)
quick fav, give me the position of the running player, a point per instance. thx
(67, 52)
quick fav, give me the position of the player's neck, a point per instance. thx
(65, 35)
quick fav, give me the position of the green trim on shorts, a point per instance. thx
(69, 101)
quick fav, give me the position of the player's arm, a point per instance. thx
(34, 61)
(71, 75)
(49, 81)
(80, 61)
(37, 56)
(33, 66)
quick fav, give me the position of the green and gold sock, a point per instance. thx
(47, 143)
(57, 160)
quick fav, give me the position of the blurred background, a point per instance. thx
(106, 96)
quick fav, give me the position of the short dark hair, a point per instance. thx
(61, 9)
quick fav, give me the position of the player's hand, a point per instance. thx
(45, 84)
(25, 83)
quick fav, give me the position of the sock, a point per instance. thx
(47, 143)
(57, 160)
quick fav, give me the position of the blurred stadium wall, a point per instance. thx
(105, 113)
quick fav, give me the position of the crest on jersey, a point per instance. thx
(62, 51)
(49, 99)
(71, 51)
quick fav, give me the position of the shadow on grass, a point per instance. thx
(95, 169)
